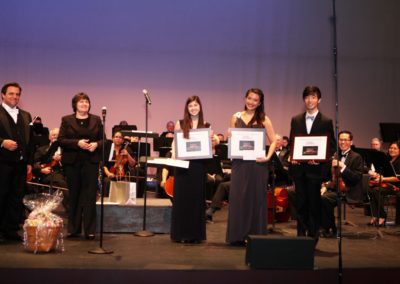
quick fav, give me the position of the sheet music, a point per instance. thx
(169, 162)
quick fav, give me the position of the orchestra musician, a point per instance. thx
(47, 162)
(47, 167)
(80, 138)
(386, 186)
(15, 160)
(119, 161)
(349, 165)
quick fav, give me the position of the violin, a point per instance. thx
(383, 184)
(334, 171)
(50, 165)
(120, 161)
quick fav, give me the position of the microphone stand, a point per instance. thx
(338, 192)
(144, 232)
(100, 249)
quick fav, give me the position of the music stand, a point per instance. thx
(162, 145)
(123, 127)
(390, 131)
(140, 134)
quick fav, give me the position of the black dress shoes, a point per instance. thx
(238, 244)
(73, 235)
(90, 236)
(2, 238)
(13, 236)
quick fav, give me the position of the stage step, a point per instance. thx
(120, 218)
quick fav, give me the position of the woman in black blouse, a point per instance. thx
(80, 137)
(390, 185)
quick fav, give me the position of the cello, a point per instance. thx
(169, 186)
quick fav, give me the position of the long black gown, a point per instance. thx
(188, 222)
(188, 211)
(247, 197)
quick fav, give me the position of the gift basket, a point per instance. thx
(42, 228)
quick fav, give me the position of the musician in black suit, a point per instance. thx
(308, 176)
(47, 167)
(281, 171)
(15, 160)
(80, 137)
(350, 166)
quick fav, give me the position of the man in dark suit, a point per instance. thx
(281, 171)
(309, 175)
(350, 169)
(15, 155)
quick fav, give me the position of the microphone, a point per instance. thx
(146, 95)
(103, 111)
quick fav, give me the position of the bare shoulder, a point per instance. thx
(267, 121)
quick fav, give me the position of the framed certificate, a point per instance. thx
(310, 148)
(246, 143)
(198, 146)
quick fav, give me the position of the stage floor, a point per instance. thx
(159, 253)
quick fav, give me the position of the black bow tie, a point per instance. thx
(343, 155)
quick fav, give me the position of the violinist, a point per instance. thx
(119, 159)
(47, 167)
(119, 156)
(389, 185)
(47, 162)
(349, 166)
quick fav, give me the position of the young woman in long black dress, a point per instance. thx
(188, 224)
(249, 179)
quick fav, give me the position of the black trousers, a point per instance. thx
(82, 179)
(378, 195)
(220, 195)
(308, 205)
(328, 204)
(12, 191)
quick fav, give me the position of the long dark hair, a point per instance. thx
(259, 114)
(187, 120)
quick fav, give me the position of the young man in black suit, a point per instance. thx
(15, 160)
(308, 176)
(350, 166)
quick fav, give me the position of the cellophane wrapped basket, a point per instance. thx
(42, 228)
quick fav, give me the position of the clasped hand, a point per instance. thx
(85, 145)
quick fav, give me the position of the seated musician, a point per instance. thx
(166, 179)
(47, 168)
(281, 172)
(221, 194)
(350, 166)
(170, 128)
(119, 163)
(215, 174)
(388, 185)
